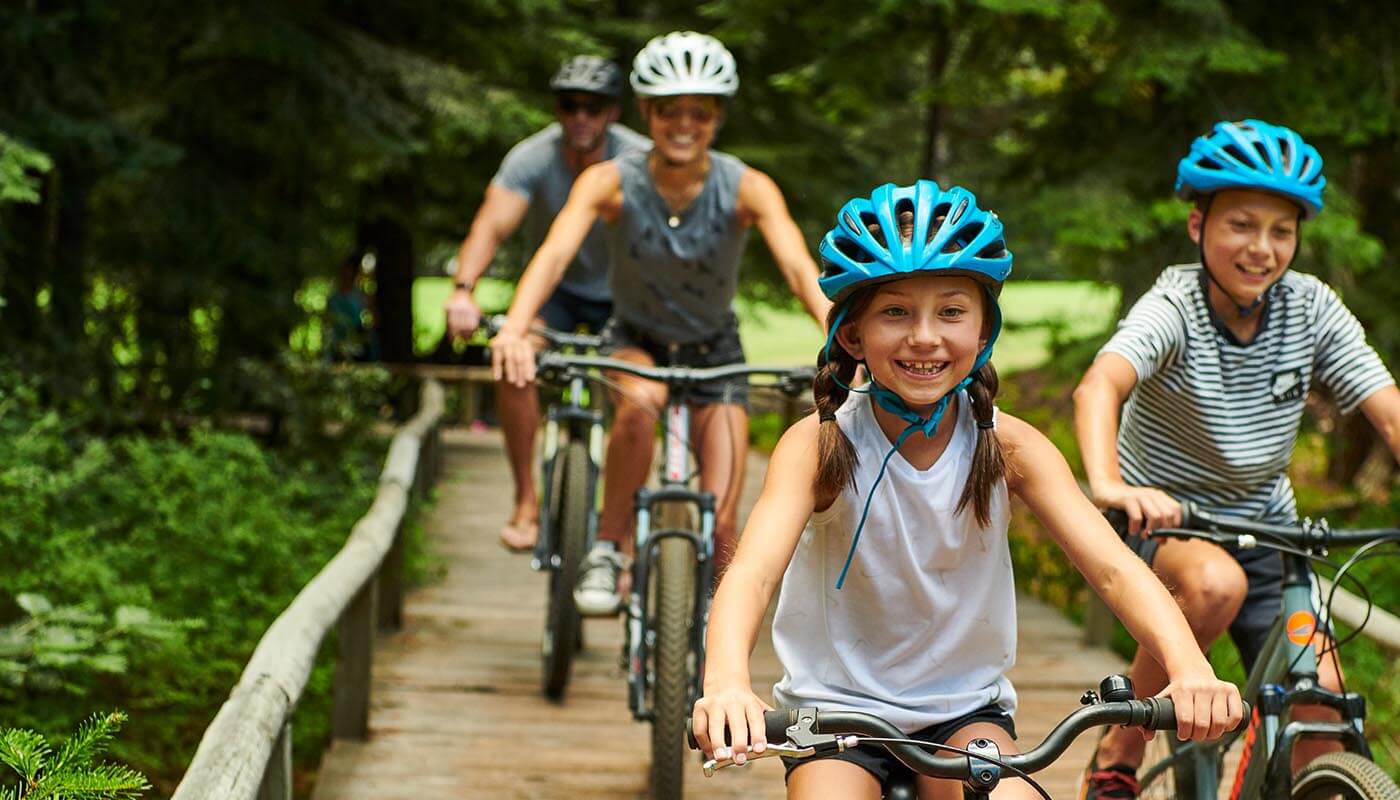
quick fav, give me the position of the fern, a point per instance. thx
(72, 774)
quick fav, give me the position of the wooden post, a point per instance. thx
(350, 713)
(277, 780)
(391, 584)
(1098, 622)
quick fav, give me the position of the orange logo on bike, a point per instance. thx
(1301, 625)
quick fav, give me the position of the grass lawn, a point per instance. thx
(1034, 311)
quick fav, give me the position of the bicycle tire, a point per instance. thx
(1350, 776)
(562, 624)
(1163, 787)
(675, 602)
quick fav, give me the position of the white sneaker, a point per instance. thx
(596, 593)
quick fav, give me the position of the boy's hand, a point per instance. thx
(463, 314)
(742, 711)
(512, 358)
(1148, 509)
(1206, 707)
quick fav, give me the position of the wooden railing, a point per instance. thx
(246, 752)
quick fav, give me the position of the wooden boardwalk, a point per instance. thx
(457, 711)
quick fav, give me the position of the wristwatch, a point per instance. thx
(465, 285)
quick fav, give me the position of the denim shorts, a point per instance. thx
(721, 349)
(567, 312)
(879, 762)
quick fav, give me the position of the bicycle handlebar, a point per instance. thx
(792, 380)
(582, 341)
(1197, 523)
(804, 732)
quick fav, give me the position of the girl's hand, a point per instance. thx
(738, 708)
(1148, 509)
(1206, 707)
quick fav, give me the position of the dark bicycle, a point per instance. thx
(674, 567)
(572, 461)
(807, 732)
(1284, 675)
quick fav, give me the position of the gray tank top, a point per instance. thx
(674, 275)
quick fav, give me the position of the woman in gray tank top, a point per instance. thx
(678, 221)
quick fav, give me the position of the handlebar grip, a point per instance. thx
(1162, 715)
(775, 725)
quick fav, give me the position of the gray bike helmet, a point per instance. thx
(592, 74)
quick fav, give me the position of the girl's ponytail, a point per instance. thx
(836, 456)
(988, 463)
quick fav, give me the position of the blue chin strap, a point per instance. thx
(894, 404)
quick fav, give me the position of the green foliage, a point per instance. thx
(134, 530)
(71, 774)
(66, 648)
(18, 168)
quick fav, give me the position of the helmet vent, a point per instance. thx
(851, 250)
(957, 214)
(963, 238)
(996, 249)
(872, 224)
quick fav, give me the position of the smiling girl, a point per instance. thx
(898, 599)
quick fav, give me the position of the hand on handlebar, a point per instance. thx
(463, 314)
(512, 358)
(737, 711)
(1206, 707)
(1148, 509)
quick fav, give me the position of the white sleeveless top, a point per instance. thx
(924, 629)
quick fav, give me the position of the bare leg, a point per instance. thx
(637, 404)
(832, 778)
(721, 434)
(518, 409)
(1210, 586)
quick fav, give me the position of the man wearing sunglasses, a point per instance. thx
(530, 188)
(679, 217)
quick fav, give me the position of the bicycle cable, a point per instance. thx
(1022, 774)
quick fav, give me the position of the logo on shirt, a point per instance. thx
(1287, 386)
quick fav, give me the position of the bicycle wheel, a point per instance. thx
(561, 622)
(1163, 785)
(1346, 775)
(674, 592)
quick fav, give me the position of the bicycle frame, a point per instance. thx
(1284, 675)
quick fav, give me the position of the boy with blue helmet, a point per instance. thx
(916, 623)
(1210, 370)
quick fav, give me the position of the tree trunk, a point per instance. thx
(392, 245)
(939, 47)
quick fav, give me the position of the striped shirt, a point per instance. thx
(1214, 421)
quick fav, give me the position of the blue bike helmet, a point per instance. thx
(951, 235)
(1253, 155)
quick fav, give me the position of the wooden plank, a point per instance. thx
(277, 779)
(350, 710)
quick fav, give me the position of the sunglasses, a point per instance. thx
(573, 105)
(700, 109)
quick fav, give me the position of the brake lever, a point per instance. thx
(843, 743)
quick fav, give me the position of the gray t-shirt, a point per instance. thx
(675, 275)
(535, 169)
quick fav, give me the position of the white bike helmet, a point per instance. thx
(684, 62)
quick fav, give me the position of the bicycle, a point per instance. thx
(1285, 674)
(673, 567)
(808, 732)
(568, 509)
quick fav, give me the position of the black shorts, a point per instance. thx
(1263, 600)
(879, 762)
(567, 312)
(723, 348)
